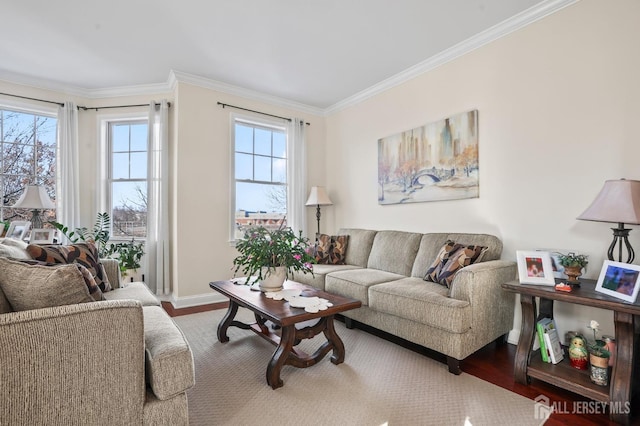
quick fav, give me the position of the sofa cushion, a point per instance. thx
(85, 254)
(355, 283)
(90, 282)
(331, 249)
(35, 286)
(317, 280)
(423, 302)
(169, 361)
(134, 291)
(322, 249)
(360, 242)
(15, 249)
(394, 251)
(454, 257)
(492, 242)
(440, 261)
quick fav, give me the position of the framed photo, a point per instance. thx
(619, 280)
(534, 267)
(42, 236)
(18, 229)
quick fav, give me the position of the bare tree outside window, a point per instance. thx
(28, 156)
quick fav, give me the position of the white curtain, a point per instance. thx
(157, 245)
(297, 176)
(68, 166)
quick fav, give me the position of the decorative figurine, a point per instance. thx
(578, 354)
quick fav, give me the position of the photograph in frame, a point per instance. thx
(42, 236)
(18, 229)
(534, 267)
(619, 280)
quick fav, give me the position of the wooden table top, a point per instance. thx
(279, 311)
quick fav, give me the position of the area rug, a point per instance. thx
(380, 383)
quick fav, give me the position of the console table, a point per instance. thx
(627, 325)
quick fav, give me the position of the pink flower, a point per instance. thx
(297, 257)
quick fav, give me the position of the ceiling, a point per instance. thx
(311, 52)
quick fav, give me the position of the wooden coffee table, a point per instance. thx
(281, 314)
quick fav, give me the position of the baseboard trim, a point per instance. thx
(197, 300)
(514, 336)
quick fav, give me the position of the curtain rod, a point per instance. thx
(33, 99)
(84, 108)
(258, 112)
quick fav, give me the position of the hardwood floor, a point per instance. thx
(494, 364)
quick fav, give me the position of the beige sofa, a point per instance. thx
(385, 270)
(122, 361)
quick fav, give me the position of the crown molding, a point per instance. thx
(502, 29)
(183, 77)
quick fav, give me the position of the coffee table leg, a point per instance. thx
(226, 322)
(335, 340)
(280, 356)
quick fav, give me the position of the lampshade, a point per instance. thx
(34, 197)
(318, 197)
(617, 202)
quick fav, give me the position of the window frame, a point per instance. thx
(36, 110)
(105, 159)
(256, 122)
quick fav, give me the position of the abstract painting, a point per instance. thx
(438, 161)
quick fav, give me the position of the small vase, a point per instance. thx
(599, 372)
(274, 277)
(573, 272)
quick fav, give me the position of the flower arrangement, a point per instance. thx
(597, 347)
(264, 248)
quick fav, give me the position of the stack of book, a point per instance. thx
(549, 341)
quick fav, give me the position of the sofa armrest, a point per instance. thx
(112, 268)
(481, 285)
(80, 363)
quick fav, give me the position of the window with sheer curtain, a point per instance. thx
(27, 156)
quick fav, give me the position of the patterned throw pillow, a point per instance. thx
(322, 249)
(85, 254)
(331, 249)
(452, 258)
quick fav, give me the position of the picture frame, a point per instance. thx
(18, 229)
(42, 236)
(619, 280)
(534, 267)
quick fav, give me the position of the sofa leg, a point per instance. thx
(348, 322)
(454, 365)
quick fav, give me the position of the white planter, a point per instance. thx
(274, 278)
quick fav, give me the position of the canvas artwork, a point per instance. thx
(438, 161)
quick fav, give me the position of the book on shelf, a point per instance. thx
(541, 327)
(552, 341)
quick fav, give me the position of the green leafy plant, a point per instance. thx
(128, 254)
(262, 247)
(573, 260)
(99, 234)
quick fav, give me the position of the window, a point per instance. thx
(260, 174)
(27, 157)
(128, 178)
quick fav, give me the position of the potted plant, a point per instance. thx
(266, 255)
(99, 234)
(573, 264)
(128, 254)
(598, 358)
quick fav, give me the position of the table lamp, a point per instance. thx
(318, 197)
(618, 202)
(35, 197)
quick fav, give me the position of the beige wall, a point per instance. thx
(557, 102)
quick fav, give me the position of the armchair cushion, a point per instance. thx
(35, 286)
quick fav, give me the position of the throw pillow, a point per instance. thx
(461, 256)
(85, 254)
(322, 249)
(29, 287)
(441, 259)
(338, 251)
